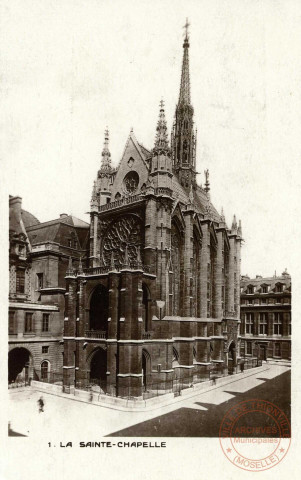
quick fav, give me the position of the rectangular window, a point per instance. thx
(45, 325)
(28, 322)
(69, 243)
(249, 348)
(262, 324)
(264, 289)
(20, 285)
(45, 349)
(277, 350)
(278, 324)
(11, 322)
(39, 281)
(249, 319)
(263, 301)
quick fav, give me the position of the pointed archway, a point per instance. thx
(99, 310)
(98, 368)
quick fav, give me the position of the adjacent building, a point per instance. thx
(38, 259)
(266, 317)
(158, 300)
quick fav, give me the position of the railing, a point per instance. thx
(120, 203)
(147, 335)
(150, 388)
(163, 191)
(95, 334)
(116, 268)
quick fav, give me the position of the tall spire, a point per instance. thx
(161, 142)
(106, 156)
(183, 136)
(184, 97)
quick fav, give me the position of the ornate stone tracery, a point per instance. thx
(125, 231)
(130, 182)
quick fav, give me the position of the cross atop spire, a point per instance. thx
(184, 97)
(106, 156)
(186, 26)
(161, 141)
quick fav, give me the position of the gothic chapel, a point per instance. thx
(158, 301)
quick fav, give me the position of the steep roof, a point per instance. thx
(271, 281)
(53, 230)
(28, 219)
(144, 150)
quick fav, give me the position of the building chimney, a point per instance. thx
(64, 215)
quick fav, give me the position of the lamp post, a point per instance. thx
(160, 305)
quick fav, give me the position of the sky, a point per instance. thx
(70, 68)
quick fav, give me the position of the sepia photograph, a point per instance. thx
(150, 238)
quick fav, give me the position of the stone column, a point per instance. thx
(237, 286)
(150, 234)
(69, 334)
(205, 259)
(218, 276)
(188, 258)
(230, 289)
(113, 305)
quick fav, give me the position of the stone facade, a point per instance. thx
(266, 317)
(38, 260)
(158, 301)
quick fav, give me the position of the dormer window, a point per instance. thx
(279, 288)
(264, 289)
(250, 290)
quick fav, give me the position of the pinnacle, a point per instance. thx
(161, 141)
(106, 155)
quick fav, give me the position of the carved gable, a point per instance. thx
(132, 172)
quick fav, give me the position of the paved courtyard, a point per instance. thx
(197, 416)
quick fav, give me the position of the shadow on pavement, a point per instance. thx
(190, 422)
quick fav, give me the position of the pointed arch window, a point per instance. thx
(176, 259)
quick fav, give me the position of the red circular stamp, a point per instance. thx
(255, 435)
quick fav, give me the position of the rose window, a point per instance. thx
(130, 182)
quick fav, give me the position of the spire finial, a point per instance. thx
(161, 141)
(234, 224)
(223, 220)
(106, 156)
(207, 183)
(186, 26)
(184, 97)
(70, 271)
